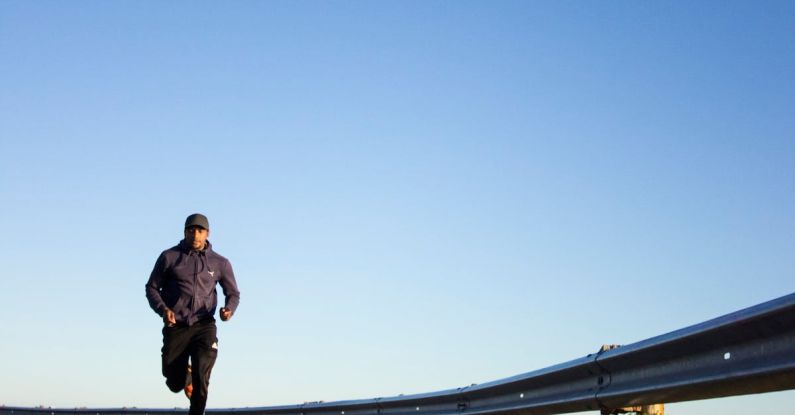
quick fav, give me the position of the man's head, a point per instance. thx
(197, 229)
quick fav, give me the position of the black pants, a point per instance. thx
(199, 343)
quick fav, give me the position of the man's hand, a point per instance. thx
(169, 317)
(225, 314)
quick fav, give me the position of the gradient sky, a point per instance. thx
(415, 196)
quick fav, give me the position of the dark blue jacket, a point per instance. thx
(184, 281)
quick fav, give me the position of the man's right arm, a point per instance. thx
(153, 287)
(153, 292)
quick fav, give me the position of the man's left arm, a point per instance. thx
(231, 293)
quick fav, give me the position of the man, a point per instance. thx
(181, 289)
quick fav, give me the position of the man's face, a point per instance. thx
(196, 236)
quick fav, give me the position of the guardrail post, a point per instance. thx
(657, 409)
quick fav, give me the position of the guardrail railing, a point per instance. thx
(745, 352)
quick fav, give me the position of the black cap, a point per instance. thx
(197, 219)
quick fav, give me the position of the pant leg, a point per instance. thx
(174, 354)
(203, 352)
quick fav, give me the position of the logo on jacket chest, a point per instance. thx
(212, 273)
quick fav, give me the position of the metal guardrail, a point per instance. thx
(745, 352)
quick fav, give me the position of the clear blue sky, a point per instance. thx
(415, 195)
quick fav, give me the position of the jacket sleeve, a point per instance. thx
(154, 284)
(229, 285)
